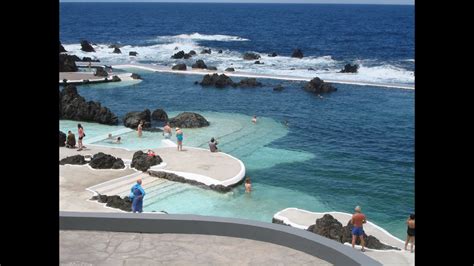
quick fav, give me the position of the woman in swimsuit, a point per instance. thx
(179, 137)
(410, 232)
(81, 134)
(248, 185)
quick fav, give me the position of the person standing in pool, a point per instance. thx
(410, 232)
(140, 128)
(248, 185)
(179, 137)
(358, 218)
(136, 195)
(167, 131)
(254, 119)
(81, 135)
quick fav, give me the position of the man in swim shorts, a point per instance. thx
(358, 218)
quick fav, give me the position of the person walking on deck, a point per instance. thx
(179, 137)
(410, 232)
(136, 195)
(358, 218)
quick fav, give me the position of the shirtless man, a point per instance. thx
(410, 232)
(167, 131)
(357, 231)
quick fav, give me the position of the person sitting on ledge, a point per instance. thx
(71, 140)
(213, 145)
(151, 153)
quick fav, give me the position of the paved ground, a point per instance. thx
(214, 165)
(305, 219)
(112, 248)
(75, 179)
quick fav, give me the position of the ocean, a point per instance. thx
(353, 147)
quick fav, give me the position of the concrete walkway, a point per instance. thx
(303, 219)
(113, 248)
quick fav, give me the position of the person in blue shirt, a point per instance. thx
(136, 195)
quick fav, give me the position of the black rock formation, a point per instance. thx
(132, 119)
(135, 76)
(115, 201)
(177, 178)
(219, 81)
(297, 53)
(141, 161)
(273, 54)
(247, 83)
(229, 69)
(159, 115)
(206, 51)
(251, 56)
(100, 72)
(86, 46)
(211, 68)
(75, 159)
(117, 51)
(348, 68)
(106, 161)
(199, 64)
(132, 53)
(72, 106)
(61, 48)
(317, 85)
(179, 67)
(188, 120)
(67, 63)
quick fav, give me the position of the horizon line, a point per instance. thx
(217, 2)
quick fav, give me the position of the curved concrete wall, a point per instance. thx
(297, 239)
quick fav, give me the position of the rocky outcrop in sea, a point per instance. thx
(188, 120)
(297, 53)
(348, 68)
(117, 50)
(159, 115)
(179, 67)
(199, 64)
(132, 119)
(72, 106)
(86, 46)
(251, 56)
(317, 85)
(61, 48)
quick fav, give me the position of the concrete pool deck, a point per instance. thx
(302, 219)
(78, 183)
(116, 248)
(80, 77)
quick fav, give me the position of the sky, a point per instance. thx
(385, 2)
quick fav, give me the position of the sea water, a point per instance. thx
(352, 147)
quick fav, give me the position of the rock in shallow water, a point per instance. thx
(132, 119)
(317, 85)
(75, 159)
(188, 120)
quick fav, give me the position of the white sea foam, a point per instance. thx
(202, 37)
(324, 67)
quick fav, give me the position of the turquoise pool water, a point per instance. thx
(354, 147)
